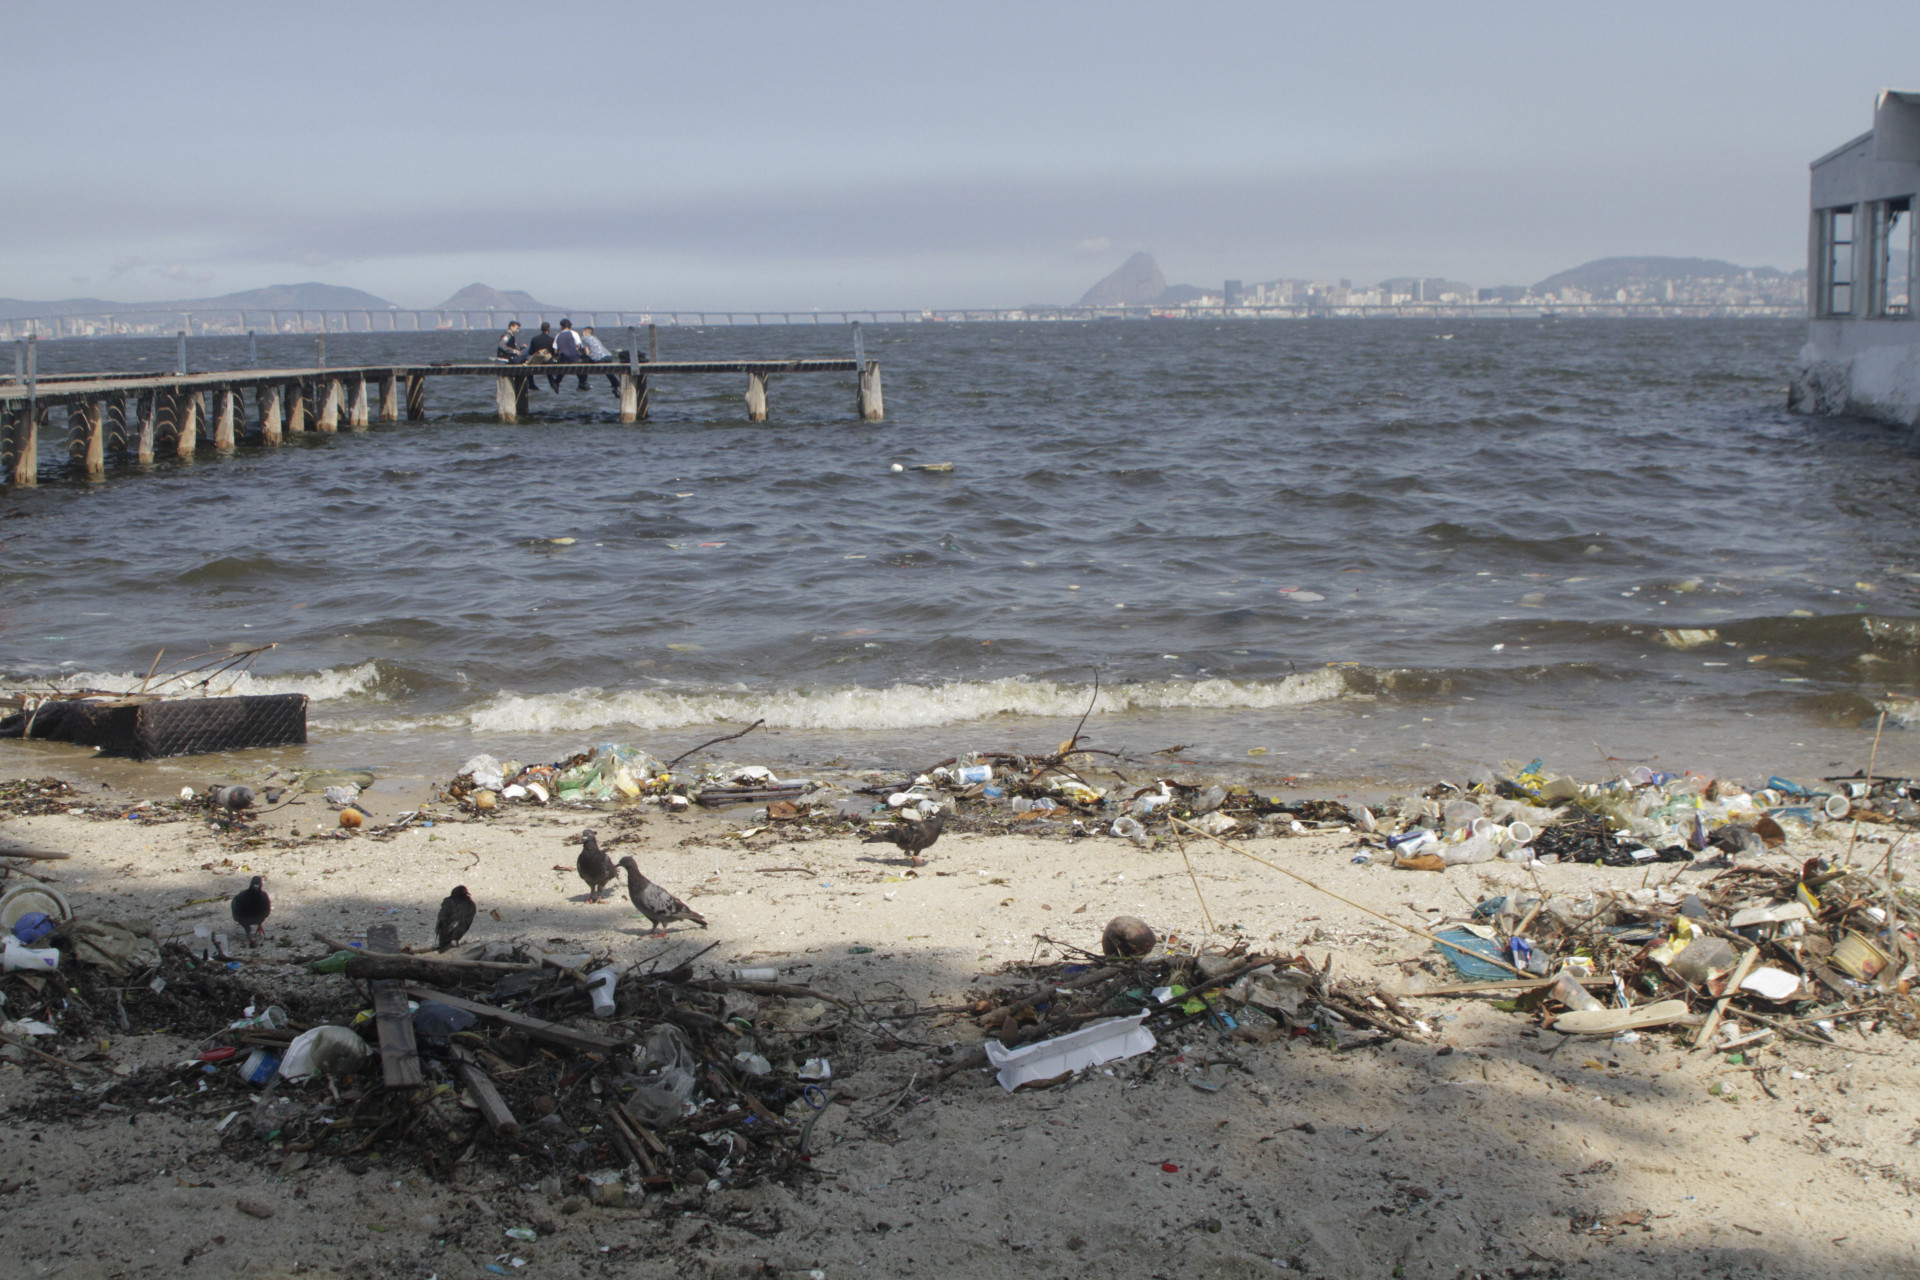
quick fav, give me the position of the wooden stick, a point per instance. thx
(536, 1027)
(492, 1106)
(769, 989)
(716, 742)
(373, 964)
(1872, 756)
(1720, 1006)
(1413, 929)
(18, 1043)
(1194, 879)
(43, 855)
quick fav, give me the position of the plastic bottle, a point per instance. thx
(18, 957)
(972, 775)
(1460, 814)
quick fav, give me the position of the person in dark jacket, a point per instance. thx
(510, 349)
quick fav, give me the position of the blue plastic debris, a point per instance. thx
(1467, 966)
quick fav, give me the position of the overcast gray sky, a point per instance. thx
(788, 155)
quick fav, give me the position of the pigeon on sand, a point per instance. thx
(656, 904)
(914, 838)
(251, 907)
(594, 866)
(456, 917)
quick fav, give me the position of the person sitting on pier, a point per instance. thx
(595, 351)
(566, 350)
(510, 349)
(540, 347)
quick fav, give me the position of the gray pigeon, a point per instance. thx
(655, 903)
(914, 838)
(233, 799)
(251, 907)
(594, 866)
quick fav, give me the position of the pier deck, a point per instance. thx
(139, 415)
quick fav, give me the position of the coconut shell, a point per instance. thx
(1127, 936)
(350, 817)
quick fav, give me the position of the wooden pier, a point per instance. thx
(141, 416)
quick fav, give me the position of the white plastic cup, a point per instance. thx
(1519, 832)
(600, 984)
(973, 775)
(1837, 806)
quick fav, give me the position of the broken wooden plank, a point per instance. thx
(399, 1053)
(535, 1027)
(493, 1107)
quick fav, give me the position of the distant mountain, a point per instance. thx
(482, 297)
(1605, 275)
(275, 297)
(1137, 281)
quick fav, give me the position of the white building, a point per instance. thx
(1863, 344)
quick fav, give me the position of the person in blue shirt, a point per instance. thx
(595, 351)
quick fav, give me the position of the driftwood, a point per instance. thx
(399, 1052)
(492, 1106)
(369, 965)
(538, 1028)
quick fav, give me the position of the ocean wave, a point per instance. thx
(327, 685)
(899, 706)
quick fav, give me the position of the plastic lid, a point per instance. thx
(24, 900)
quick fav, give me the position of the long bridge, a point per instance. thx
(136, 417)
(232, 320)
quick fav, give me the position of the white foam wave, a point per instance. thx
(900, 706)
(321, 686)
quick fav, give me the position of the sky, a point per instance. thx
(834, 154)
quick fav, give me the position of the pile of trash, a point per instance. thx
(612, 773)
(582, 1075)
(1525, 814)
(1754, 952)
(1069, 1015)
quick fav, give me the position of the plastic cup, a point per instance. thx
(1519, 832)
(1837, 806)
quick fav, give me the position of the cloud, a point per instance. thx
(1098, 244)
(82, 281)
(174, 271)
(124, 263)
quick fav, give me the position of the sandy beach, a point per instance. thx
(1487, 1148)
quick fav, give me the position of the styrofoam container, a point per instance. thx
(1087, 1047)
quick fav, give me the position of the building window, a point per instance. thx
(1836, 262)
(1891, 287)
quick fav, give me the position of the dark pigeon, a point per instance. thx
(456, 917)
(914, 838)
(251, 907)
(655, 903)
(594, 866)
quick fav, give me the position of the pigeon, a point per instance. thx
(251, 907)
(914, 838)
(655, 903)
(456, 917)
(594, 866)
(232, 799)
